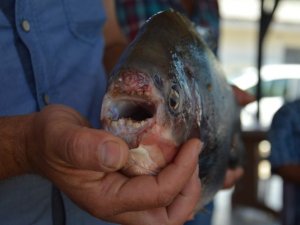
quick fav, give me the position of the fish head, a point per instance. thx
(150, 101)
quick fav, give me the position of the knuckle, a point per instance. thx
(74, 146)
(165, 198)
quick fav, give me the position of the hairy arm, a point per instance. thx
(13, 159)
(27, 142)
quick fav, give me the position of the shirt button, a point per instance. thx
(46, 99)
(25, 25)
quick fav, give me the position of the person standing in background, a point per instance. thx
(284, 136)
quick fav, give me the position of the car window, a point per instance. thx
(277, 88)
(271, 88)
(251, 90)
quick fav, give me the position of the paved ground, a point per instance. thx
(224, 215)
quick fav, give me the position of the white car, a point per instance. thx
(280, 83)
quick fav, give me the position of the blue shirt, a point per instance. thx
(284, 136)
(50, 52)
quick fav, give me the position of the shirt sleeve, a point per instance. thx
(284, 136)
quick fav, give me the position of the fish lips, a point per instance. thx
(138, 121)
(136, 111)
(128, 117)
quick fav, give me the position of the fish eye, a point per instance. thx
(174, 99)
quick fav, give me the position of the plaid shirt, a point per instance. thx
(133, 13)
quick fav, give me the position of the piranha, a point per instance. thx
(168, 87)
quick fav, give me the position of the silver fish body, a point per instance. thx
(168, 87)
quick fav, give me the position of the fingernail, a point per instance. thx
(191, 216)
(198, 146)
(110, 154)
(196, 172)
(196, 175)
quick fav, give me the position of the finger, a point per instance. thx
(176, 214)
(153, 216)
(144, 192)
(95, 150)
(242, 97)
(232, 176)
(183, 207)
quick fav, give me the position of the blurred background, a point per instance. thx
(257, 197)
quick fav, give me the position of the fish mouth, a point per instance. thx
(134, 110)
(129, 116)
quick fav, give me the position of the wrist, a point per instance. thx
(28, 139)
(13, 144)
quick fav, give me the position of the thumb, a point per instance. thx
(96, 150)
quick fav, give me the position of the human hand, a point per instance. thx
(232, 176)
(242, 97)
(83, 163)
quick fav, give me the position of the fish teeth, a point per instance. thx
(114, 124)
(122, 122)
(136, 125)
(129, 122)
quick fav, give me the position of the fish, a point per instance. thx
(168, 87)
